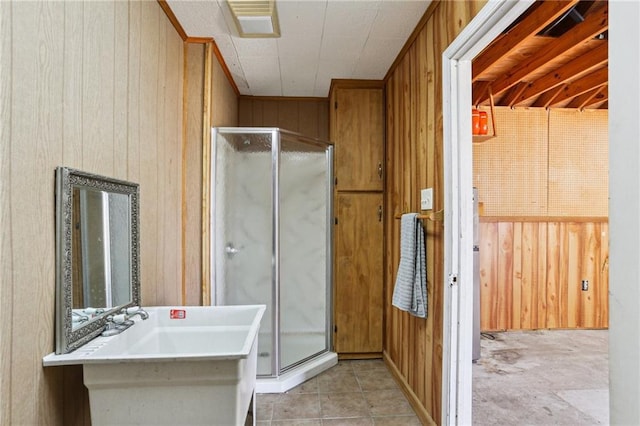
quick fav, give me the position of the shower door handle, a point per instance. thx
(230, 250)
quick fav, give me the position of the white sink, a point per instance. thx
(183, 365)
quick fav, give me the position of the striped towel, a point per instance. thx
(410, 292)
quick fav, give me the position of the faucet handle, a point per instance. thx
(131, 310)
(117, 319)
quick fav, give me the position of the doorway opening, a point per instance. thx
(490, 24)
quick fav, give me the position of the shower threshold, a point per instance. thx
(297, 375)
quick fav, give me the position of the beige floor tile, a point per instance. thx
(387, 402)
(296, 406)
(376, 380)
(358, 421)
(264, 406)
(343, 405)
(397, 421)
(369, 365)
(308, 422)
(310, 386)
(338, 382)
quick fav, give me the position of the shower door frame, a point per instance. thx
(276, 367)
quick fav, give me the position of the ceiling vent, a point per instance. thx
(255, 18)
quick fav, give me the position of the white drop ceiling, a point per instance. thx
(320, 40)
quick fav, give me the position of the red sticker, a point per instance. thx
(177, 314)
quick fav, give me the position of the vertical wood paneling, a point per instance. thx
(80, 87)
(553, 276)
(72, 90)
(414, 154)
(192, 198)
(36, 147)
(6, 229)
(134, 94)
(531, 274)
(121, 88)
(98, 101)
(224, 112)
(307, 116)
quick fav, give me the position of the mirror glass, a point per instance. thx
(97, 253)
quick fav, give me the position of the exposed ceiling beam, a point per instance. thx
(590, 98)
(512, 96)
(545, 13)
(547, 97)
(591, 60)
(594, 24)
(480, 91)
(582, 85)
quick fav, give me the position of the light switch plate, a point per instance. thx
(426, 199)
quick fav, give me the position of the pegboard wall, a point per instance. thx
(544, 163)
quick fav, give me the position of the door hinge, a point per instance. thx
(453, 279)
(335, 328)
(336, 181)
(335, 219)
(335, 105)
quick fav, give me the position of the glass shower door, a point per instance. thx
(304, 212)
(243, 229)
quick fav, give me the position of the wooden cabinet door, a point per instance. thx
(358, 280)
(358, 134)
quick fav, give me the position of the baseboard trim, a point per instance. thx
(416, 404)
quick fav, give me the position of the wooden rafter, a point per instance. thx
(582, 85)
(592, 97)
(591, 60)
(480, 89)
(547, 97)
(544, 14)
(511, 98)
(593, 25)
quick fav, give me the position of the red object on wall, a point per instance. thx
(483, 123)
(475, 122)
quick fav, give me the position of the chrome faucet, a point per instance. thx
(135, 310)
(116, 324)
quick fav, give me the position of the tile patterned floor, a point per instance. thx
(351, 393)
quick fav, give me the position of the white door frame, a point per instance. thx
(494, 17)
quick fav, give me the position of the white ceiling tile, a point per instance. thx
(321, 40)
(203, 18)
(341, 48)
(255, 46)
(350, 18)
(301, 17)
(297, 75)
(303, 45)
(394, 23)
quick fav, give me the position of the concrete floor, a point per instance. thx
(547, 377)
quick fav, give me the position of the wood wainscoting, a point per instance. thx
(531, 273)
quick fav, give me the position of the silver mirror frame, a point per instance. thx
(68, 339)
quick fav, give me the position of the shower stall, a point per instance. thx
(271, 243)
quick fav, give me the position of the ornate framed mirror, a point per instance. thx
(97, 253)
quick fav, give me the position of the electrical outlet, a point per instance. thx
(426, 199)
(585, 285)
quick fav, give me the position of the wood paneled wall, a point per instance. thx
(531, 274)
(222, 110)
(309, 116)
(95, 86)
(413, 346)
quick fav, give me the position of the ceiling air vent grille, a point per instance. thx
(255, 18)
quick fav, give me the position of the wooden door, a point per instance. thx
(359, 273)
(358, 134)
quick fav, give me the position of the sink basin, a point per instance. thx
(183, 365)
